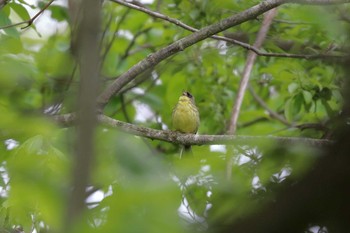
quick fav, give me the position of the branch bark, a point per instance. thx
(247, 70)
(190, 139)
(244, 83)
(86, 39)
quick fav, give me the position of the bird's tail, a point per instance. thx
(186, 150)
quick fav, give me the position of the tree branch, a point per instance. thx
(224, 38)
(190, 139)
(247, 70)
(86, 39)
(244, 82)
(318, 2)
(180, 45)
(3, 3)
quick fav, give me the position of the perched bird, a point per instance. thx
(185, 115)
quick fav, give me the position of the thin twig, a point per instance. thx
(131, 44)
(30, 21)
(109, 45)
(106, 28)
(291, 22)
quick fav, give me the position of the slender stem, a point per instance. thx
(247, 70)
(244, 83)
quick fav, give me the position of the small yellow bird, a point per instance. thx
(185, 115)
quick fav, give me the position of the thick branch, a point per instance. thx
(190, 139)
(86, 40)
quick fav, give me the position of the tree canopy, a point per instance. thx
(85, 125)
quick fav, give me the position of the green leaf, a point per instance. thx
(293, 107)
(292, 87)
(307, 96)
(288, 110)
(326, 93)
(20, 10)
(59, 13)
(5, 21)
(196, 196)
(298, 102)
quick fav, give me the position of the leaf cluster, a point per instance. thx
(141, 185)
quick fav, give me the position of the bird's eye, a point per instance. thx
(188, 94)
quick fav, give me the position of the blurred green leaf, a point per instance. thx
(140, 185)
(20, 10)
(59, 13)
(196, 195)
(37, 169)
(5, 21)
(292, 87)
(307, 97)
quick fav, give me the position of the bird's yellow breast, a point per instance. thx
(185, 116)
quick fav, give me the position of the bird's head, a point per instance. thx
(186, 96)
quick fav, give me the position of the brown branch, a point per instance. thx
(106, 28)
(30, 21)
(86, 39)
(247, 70)
(3, 3)
(155, 58)
(180, 45)
(224, 38)
(189, 139)
(318, 2)
(244, 82)
(254, 121)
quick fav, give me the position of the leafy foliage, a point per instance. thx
(145, 186)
